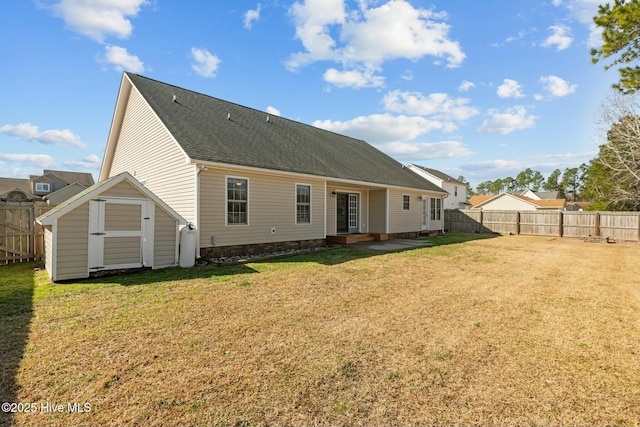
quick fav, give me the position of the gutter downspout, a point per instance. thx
(199, 169)
(444, 196)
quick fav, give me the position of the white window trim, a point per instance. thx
(226, 201)
(295, 203)
(409, 197)
(48, 187)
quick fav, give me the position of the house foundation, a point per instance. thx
(258, 248)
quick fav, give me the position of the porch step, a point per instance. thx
(346, 239)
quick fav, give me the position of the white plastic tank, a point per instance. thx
(188, 246)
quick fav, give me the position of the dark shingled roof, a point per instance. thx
(201, 126)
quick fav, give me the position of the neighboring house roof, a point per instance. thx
(51, 216)
(212, 130)
(547, 195)
(64, 193)
(83, 178)
(9, 185)
(440, 175)
(480, 201)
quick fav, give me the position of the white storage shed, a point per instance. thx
(115, 224)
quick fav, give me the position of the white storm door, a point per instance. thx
(425, 213)
(116, 233)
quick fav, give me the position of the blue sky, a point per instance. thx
(480, 89)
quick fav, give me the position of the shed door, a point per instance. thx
(117, 231)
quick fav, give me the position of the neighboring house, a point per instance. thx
(248, 180)
(457, 198)
(52, 186)
(515, 202)
(16, 190)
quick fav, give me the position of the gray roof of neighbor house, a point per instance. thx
(212, 130)
(82, 178)
(9, 184)
(441, 175)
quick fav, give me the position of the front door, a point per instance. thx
(347, 213)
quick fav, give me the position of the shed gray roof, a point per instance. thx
(212, 130)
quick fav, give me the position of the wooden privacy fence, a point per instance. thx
(20, 237)
(612, 225)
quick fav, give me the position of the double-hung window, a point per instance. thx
(303, 204)
(237, 201)
(436, 209)
(406, 202)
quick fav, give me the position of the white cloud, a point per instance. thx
(122, 60)
(205, 64)
(41, 160)
(510, 89)
(385, 128)
(250, 16)
(407, 75)
(561, 37)
(369, 36)
(58, 137)
(512, 119)
(465, 86)
(510, 39)
(584, 11)
(353, 78)
(90, 162)
(438, 105)
(98, 19)
(497, 166)
(273, 110)
(557, 87)
(426, 150)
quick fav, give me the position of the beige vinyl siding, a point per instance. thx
(165, 240)
(122, 250)
(147, 151)
(48, 248)
(363, 208)
(401, 220)
(72, 244)
(123, 189)
(378, 211)
(122, 217)
(271, 205)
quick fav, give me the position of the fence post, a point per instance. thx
(597, 225)
(480, 226)
(560, 223)
(517, 222)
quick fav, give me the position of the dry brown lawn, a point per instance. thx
(511, 330)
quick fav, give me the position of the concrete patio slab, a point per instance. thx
(390, 245)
